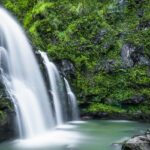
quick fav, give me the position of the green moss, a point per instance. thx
(5, 104)
(39, 9)
(3, 117)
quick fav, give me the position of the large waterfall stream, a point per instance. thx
(24, 82)
(23, 79)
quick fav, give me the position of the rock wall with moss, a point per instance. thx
(108, 42)
(7, 115)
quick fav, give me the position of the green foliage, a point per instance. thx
(97, 107)
(91, 33)
(3, 116)
(143, 109)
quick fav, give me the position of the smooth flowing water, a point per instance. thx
(56, 84)
(91, 135)
(23, 79)
(72, 102)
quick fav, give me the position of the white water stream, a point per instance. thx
(23, 79)
(55, 83)
(72, 102)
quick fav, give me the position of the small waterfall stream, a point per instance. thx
(72, 102)
(55, 83)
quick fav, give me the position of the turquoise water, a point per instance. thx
(89, 135)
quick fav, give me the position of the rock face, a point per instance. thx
(133, 101)
(132, 55)
(66, 67)
(138, 143)
(7, 116)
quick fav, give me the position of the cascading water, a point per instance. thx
(73, 101)
(55, 83)
(23, 79)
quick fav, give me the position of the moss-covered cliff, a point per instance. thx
(107, 40)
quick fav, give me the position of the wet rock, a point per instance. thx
(3, 59)
(66, 67)
(141, 142)
(86, 117)
(8, 127)
(95, 115)
(7, 116)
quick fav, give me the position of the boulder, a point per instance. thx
(141, 142)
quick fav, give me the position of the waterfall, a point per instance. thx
(55, 83)
(23, 79)
(73, 102)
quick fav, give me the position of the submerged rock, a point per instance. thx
(141, 142)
